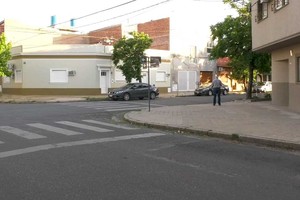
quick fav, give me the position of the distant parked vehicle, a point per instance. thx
(256, 87)
(134, 91)
(267, 87)
(207, 90)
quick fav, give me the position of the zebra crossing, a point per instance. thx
(111, 106)
(89, 125)
(20, 132)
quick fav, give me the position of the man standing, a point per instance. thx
(216, 88)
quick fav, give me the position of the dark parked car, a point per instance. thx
(207, 90)
(133, 91)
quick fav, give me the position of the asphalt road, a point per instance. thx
(84, 150)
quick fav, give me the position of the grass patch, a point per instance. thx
(235, 136)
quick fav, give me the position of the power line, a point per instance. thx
(151, 6)
(98, 12)
(129, 13)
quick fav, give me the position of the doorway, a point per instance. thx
(104, 81)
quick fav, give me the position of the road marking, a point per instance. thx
(137, 108)
(117, 107)
(1, 142)
(21, 133)
(108, 124)
(16, 152)
(197, 167)
(54, 129)
(83, 126)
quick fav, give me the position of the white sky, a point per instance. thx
(38, 12)
(190, 19)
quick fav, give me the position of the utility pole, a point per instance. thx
(147, 63)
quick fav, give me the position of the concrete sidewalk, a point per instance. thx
(254, 122)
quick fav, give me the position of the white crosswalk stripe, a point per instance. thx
(21, 133)
(117, 106)
(64, 131)
(45, 147)
(54, 129)
(83, 126)
(108, 124)
(121, 109)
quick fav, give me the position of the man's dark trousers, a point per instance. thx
(217, 92)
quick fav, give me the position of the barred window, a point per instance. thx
(298, 69)
(262, 11)
(280, 4)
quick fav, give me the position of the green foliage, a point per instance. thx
(235, 136)
(127, 54)
(5, 56)
(241, 6)
(233, 39)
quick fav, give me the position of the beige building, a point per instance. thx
(275, 29)
(59, 70)
(62, 62)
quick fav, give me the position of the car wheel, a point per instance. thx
(225, 92)
(126, 97)
(141, 98)
(152, 95)
(210, 93)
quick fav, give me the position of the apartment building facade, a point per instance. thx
(275, 29)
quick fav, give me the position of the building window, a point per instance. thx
(18, 76)
(280, 4)
(58, 75)
(160, 76)
(119, 76)
(262, 11)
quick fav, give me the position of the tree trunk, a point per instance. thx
(250, 82)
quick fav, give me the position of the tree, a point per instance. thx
(5, 56)
(234, 40)
(128, 53)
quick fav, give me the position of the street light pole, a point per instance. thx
(148, 64)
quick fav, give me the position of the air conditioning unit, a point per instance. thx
(72, 73)
(263, 1)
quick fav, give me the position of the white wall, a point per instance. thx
(36, 66)
(36, 72)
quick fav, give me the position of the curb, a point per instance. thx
(59, 99)
(210, 133)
